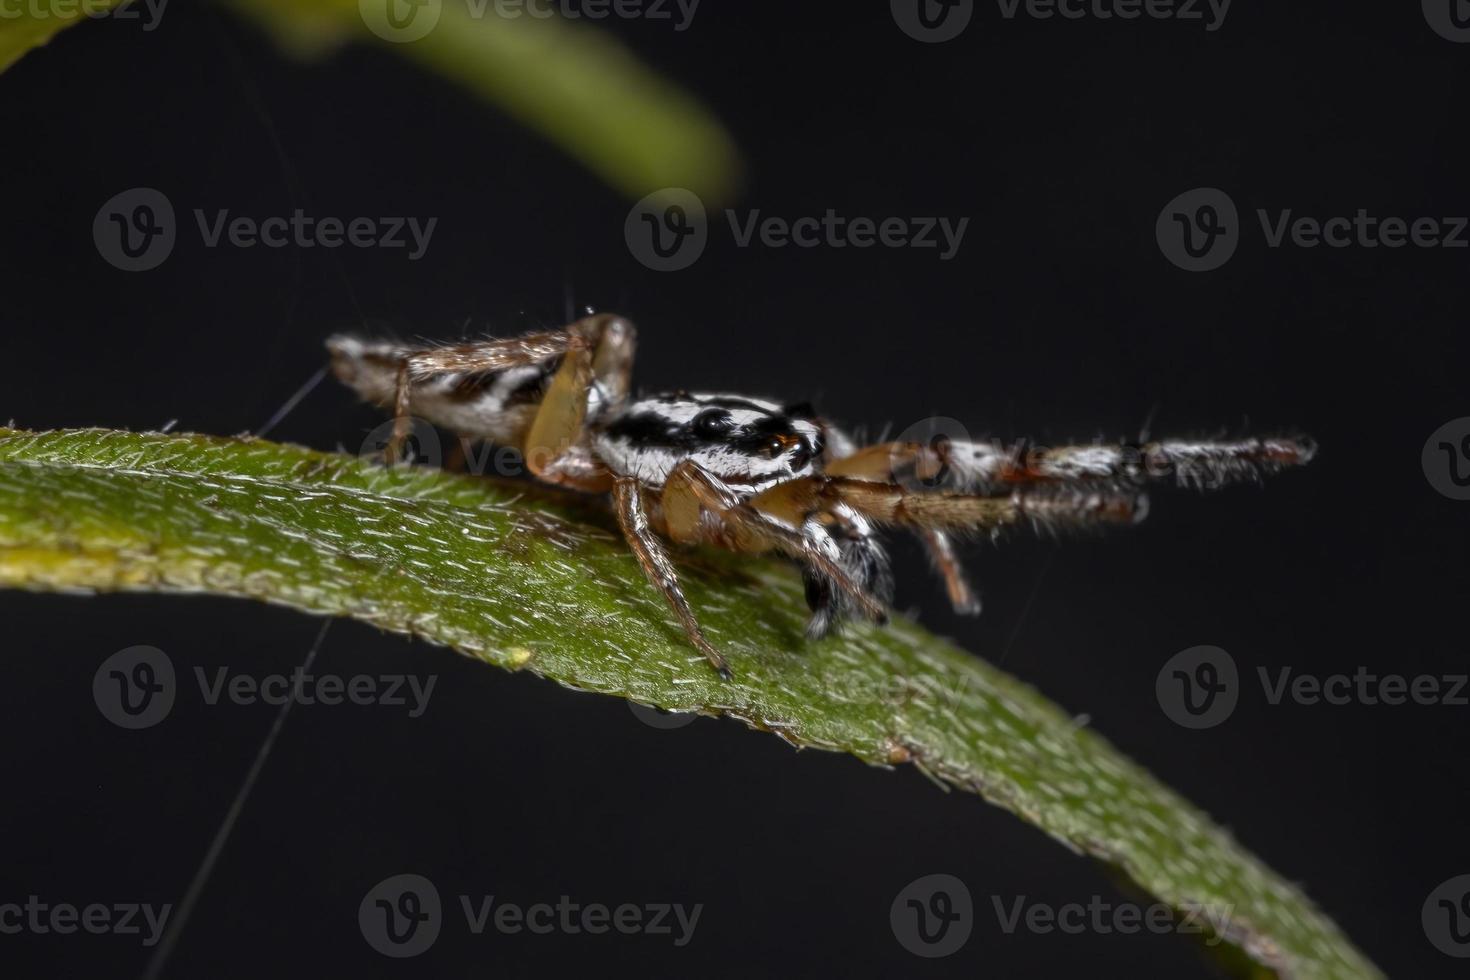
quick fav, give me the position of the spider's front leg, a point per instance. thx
(888, 463)
(695, 507)
(890, 503)
(1063, 478)
(633, 519)
(858, 570)
(991, 467)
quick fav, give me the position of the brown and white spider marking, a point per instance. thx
(754, 476)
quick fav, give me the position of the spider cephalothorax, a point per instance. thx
(753, 476)
(746, 442)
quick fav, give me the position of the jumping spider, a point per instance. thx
(753, 476)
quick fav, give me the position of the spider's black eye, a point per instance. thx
(712, 423)
(805, 452)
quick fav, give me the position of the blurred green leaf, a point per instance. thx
(36, 22)
(571, 82)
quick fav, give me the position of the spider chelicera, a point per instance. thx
(751, 475)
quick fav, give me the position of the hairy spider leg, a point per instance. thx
(633, 519)
(597, 349)
(890, 503)
(691, 494)
(940, 548)
(989, 466)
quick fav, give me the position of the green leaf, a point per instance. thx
(38, 21)
(541, 583)
(573, 83)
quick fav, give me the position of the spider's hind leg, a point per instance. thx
(394, 376)
(412, 367)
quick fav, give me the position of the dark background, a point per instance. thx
(1059, 318)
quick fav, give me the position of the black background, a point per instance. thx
(1059, 318)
